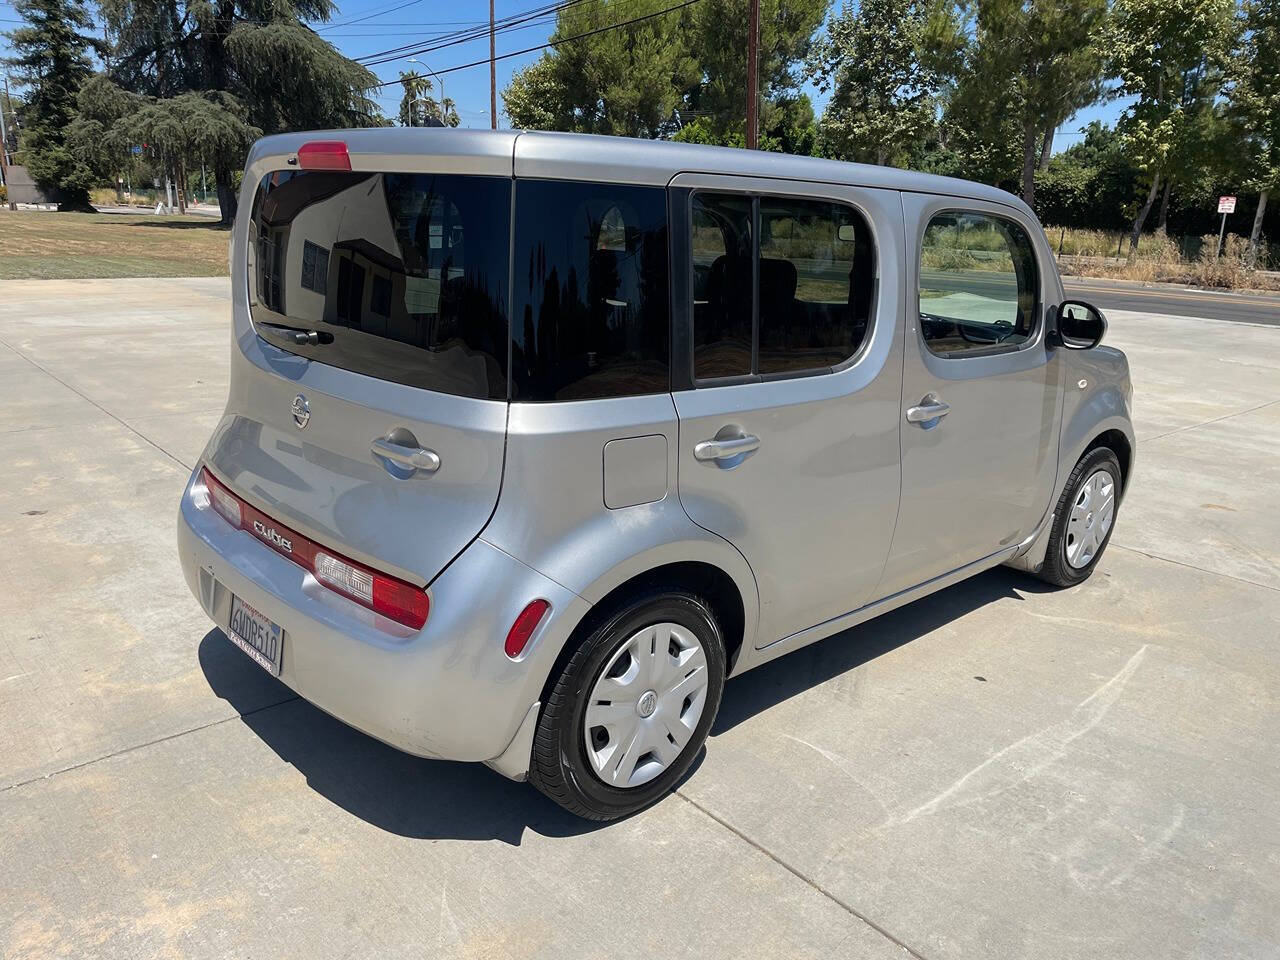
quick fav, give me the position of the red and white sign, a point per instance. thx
(1226, 204)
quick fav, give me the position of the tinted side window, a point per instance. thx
(722, 284)
(979, 288)
(403, 275)
(798, 295)
(591, 291)
(817, 277)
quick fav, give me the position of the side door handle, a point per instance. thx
(409, 457)
(727, 448)
(928, 411)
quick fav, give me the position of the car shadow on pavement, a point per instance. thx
(435, 799)
(779, 680)
(396, 792)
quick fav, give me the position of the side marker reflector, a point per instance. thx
(520, 632)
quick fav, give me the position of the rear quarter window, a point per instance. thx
(403, 276)
(592, 303)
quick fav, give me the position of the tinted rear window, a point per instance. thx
(403, 276)
(592, 304)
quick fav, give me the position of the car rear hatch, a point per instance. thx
(368, 397)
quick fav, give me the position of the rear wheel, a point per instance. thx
(1083, 520)
(632, 707)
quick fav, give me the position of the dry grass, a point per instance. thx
(42, 245)
(1092, 253)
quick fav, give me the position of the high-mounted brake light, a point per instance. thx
(389, 596)
(324, 155)
(520, 632)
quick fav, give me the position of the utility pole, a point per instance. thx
(753, 74)
(493, 74)
(4, 146)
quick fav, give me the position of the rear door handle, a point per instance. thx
(928, 409)
(726, 449)
(411, 458)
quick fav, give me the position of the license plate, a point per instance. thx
(255, 634)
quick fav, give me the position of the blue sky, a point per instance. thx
(364, 27)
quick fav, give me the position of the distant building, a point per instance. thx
(22, 189)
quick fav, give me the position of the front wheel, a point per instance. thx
(1083, 520)
(632, 707)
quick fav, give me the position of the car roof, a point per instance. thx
(577, 156)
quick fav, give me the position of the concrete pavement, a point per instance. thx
(1000, 770)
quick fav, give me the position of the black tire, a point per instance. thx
(1056, 569)
(560, 767)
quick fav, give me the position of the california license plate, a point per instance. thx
(255, 634)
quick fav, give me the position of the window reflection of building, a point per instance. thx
(389, 264)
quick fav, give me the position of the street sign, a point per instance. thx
(1226, 204)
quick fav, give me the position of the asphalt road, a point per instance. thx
(1174, 301)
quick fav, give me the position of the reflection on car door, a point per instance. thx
(789, 409)
(981, 389)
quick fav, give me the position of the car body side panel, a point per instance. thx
(556, 519)
(979, 480)
(813, 509)
(1103, 403)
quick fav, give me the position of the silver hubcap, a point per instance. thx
(1090, 519)
(646, 705)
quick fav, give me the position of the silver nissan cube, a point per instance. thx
(534, 439)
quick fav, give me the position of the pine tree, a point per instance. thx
(52, 60)
(253, 64)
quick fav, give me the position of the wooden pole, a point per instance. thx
(4, 147)
(753, 75)
(493, 74)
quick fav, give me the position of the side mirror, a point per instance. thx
(1080, 326)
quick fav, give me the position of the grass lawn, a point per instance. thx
(43, 245)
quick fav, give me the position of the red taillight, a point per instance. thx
(324, 155)
(396, 599)
(520, 632)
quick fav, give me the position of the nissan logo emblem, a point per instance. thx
(301, 411)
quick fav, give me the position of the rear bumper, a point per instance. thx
(447, 691)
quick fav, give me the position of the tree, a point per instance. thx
(253, 63)
(883, 92)
(626, 81)
(979, 132)
(1042, 55)
(791, 129)
(1088, 184)
(1169, 55)
(181, 132)
(1255, 100)
(717, 44)
(535, 99)
(52, 60)
(417, 109)
(680, 70)
(97, 136)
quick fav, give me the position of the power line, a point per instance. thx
(369, 16)
(580, 9)
(465, 36)
(552, 43)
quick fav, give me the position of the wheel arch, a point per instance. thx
(735, 609)
(1118, 443)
